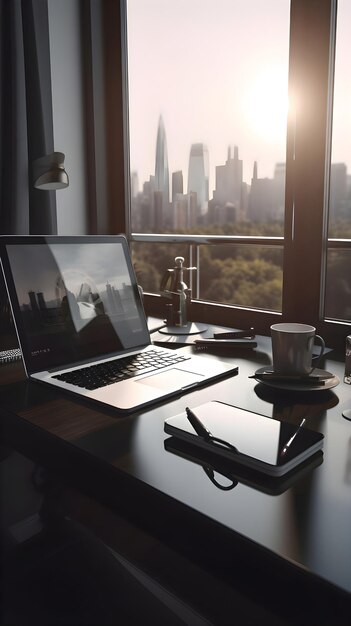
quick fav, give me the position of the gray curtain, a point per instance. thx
(26, 131)
(26, 127)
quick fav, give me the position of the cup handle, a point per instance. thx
(317, 357)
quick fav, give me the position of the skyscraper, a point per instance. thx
(338, 205)
(177, 184)
(198, 175)
(134, 185)
(161, 165)
(262, 199)
(229, 180)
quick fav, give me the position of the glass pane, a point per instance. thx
(340, 178)
(249, 276)
(338, 278)
(208, 82)
(244, 276)
(338, 293)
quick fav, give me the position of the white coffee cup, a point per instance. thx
(292, 347)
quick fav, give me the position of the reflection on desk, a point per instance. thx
(247, 537)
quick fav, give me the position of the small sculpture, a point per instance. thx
(173, 288)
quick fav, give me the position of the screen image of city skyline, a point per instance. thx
(213, 87)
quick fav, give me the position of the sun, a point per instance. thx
(266, 105)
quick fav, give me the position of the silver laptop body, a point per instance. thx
(76, 304)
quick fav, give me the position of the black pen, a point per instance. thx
(289, 378)
(197, 425)
(236, 334)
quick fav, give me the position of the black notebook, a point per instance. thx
(257, 442)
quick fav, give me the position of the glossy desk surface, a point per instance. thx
(308, 524)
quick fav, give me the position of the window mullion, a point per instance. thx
(305, 227)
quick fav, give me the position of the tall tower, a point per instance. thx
(229, 180)
(177, 184)
(134, 184)
(198, 175)
(161, 165)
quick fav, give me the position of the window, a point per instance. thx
(214, 146)
(211, 158)
(291, 264)
(338, 277)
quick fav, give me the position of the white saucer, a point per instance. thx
(292, 386)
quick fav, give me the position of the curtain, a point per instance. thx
(26, 131)
(26, 128)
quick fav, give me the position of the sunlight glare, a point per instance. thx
(266, 105)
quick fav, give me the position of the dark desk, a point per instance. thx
(290, 551)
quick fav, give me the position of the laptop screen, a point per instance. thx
(74, 299)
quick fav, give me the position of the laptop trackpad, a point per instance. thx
(171, 379)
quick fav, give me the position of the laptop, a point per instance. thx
(81, 324)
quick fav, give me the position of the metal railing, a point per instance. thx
(195, 241)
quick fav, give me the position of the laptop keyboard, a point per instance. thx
(102, 374)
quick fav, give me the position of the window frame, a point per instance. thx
(311, 63)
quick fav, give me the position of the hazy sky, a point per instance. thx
(217, 72)
(341, 150)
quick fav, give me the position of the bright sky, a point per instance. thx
(341, 150)
(217, 71)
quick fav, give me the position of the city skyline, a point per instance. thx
(207, 81)
(232, 200)
(212, 86)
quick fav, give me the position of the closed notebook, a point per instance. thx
(257, 442)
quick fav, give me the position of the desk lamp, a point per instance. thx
(49, 172)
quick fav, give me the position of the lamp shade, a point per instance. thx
(49, 172)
